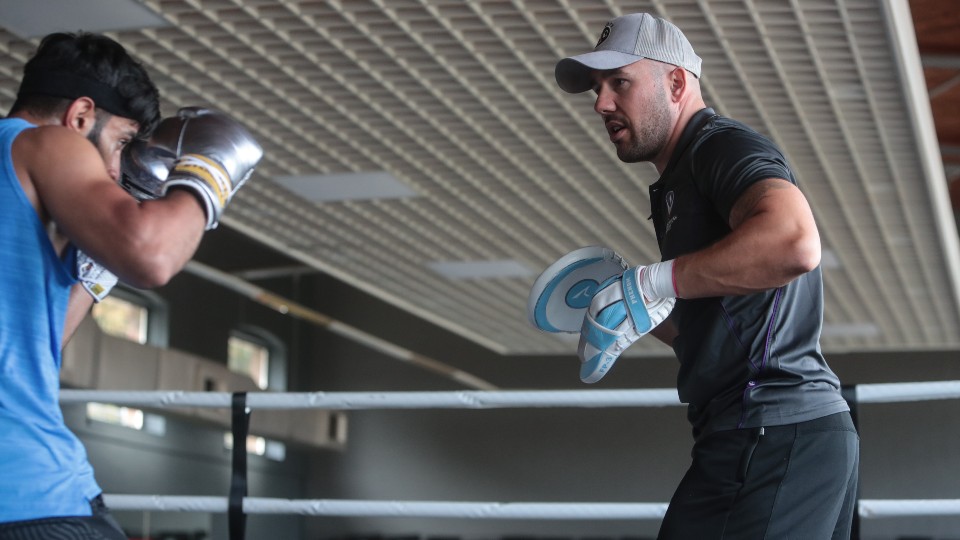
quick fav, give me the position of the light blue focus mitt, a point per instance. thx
(617, 317)
(560, 296)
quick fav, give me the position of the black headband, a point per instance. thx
(72, 86)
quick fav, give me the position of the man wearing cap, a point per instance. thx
(775, 451)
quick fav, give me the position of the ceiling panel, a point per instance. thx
(457, 101)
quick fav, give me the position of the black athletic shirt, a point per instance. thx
(745, 361)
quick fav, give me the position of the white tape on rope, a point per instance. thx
(478, 510)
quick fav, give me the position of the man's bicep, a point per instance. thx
(769, 195)
(75, 190)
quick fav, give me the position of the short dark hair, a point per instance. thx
(67, 66)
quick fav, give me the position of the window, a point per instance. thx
(260, 355)
(122, 318)
(127, 417)
(139, 316)
(244, 355)
(113, 414)
(258, 446)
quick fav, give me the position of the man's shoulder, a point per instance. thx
(13, 126)
(724, 135)
(49, 141)
(725, 126)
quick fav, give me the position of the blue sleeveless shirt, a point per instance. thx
(44, 470)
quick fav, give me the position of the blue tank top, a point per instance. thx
(44, 470)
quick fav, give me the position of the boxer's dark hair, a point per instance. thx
(67, 66)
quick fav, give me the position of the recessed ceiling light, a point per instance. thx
(828, 259)
(30, 20)
(346, 186)
(880, 187)
(480, 269)
(850, 330)
(853, 92)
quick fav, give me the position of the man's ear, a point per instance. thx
(678, 83)
(81, 115)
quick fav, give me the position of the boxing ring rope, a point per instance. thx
(866, 393)
(366, 508)
(480, 510)
(386, 400)
(468, 399)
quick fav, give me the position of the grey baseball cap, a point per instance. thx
(625, 40)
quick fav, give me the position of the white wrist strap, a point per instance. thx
(656, 281)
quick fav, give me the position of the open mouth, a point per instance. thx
(615, 130)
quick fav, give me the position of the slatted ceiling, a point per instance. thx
(457, 100)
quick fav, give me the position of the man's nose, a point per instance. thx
(603, 104)
(113, 169)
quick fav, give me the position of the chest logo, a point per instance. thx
(669, 200)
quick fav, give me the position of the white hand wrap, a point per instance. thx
(97, 280)
(656, 280)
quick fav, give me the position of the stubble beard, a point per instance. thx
(649, 139)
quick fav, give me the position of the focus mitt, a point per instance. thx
(617, 317)
(561, 294)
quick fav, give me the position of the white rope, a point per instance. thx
(873, 393)
(909, 507)
(423, 509)
(384, 400)
(868, 509)
(900, 392)
(666, 397)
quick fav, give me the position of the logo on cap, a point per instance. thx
(605, 34)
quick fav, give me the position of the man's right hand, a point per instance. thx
(618, 316)
(202, 150)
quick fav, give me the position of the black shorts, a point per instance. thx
(99, 526)
(791, 481)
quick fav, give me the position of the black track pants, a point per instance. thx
(797, 481)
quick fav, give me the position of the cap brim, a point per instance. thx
(574, 73)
